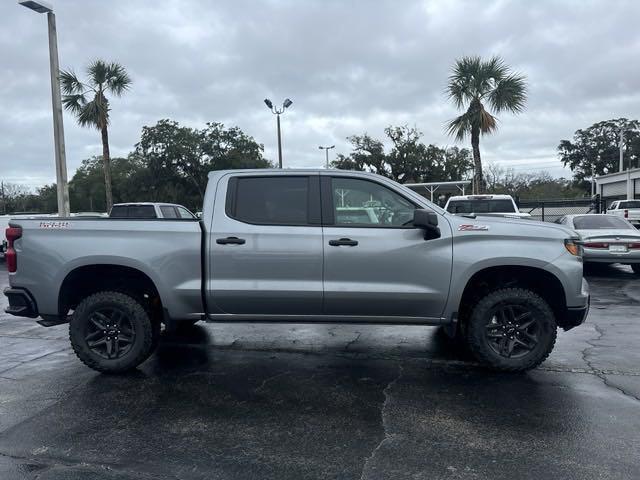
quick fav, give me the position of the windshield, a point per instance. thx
(600, 222)
(630, 204)
(480, 206)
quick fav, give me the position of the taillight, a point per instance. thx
(634, 246)
(626, 213)
(596, 245)
(10, 256)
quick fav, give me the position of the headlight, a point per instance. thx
(573, 246)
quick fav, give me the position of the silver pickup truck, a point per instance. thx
(283, 246)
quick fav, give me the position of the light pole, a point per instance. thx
(326, 151)
(58, 129)
(277, 112)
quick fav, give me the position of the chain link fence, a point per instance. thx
(552, 210)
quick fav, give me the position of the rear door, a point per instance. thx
(379, 264)
(265, 245)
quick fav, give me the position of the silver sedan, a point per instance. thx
(606, 239)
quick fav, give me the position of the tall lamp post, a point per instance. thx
(58, 129)
(326, 151)
(277, 112)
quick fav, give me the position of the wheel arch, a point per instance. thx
(87, 279)
(536, 279)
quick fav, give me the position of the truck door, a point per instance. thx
(265, 245)
(375, 262)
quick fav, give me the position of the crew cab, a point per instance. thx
(494, 205)
(276, 246)
(627, 209)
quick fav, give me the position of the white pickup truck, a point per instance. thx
(485, 205)
(627, 209)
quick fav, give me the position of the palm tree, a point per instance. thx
(472, 82)
(88, 102)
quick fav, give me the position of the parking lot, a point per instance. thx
(320, 401)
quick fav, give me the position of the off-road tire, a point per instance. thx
(146, 332)
(480, 318)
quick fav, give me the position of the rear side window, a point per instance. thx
(481, 206)
(168, 212)
(184, 213)
(270, 200)
(132, 211)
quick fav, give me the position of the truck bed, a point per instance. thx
(167, 251)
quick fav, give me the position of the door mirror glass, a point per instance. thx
(427, 220)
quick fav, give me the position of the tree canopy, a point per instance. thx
(596, 150)
(408, 160)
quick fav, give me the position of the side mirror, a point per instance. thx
(427, 220)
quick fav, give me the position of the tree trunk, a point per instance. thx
(106, 163)
(478, 180)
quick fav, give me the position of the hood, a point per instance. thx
(511, 227)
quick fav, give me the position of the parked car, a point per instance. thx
(485, 205)
(273, 248)
(627, 209)
(606, 239)
(150, 210)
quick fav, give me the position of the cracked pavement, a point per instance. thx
(325, 401)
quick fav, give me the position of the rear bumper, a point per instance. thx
(21, 303)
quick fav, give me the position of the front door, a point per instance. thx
(265, 246)
(375, 262)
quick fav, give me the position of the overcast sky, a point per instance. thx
(349, 67)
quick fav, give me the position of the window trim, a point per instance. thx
(313, 200)
(326, 194)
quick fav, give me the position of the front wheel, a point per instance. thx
(111, 332)
(511, 330)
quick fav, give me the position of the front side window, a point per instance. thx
(269, 200)
(363, 203)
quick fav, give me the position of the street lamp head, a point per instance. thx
(320, 147)
(37, 6)
(268, 103)
(332, 146)
(287, 103)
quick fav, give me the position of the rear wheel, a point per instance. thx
(112, 332)
(512, 330)
(636, 268)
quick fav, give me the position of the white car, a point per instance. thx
(150, 210)
(627, 209)
(493, 205)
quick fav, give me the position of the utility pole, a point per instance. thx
(58, 128)
(621, 147)
(4, 200)
(326, 151)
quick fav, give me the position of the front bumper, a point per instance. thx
(21, 303)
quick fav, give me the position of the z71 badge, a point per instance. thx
(473, 228)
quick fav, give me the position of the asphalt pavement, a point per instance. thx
(324, 401)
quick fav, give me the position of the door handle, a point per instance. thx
(231, 241)
(343, 241)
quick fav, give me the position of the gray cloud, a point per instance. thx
(349, 66)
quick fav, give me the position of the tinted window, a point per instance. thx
(630, 204)
(365, 203)
(600, 222)
(271, 200)
(184, 213)
(168, 212)
(480, 206)
(132, 211)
